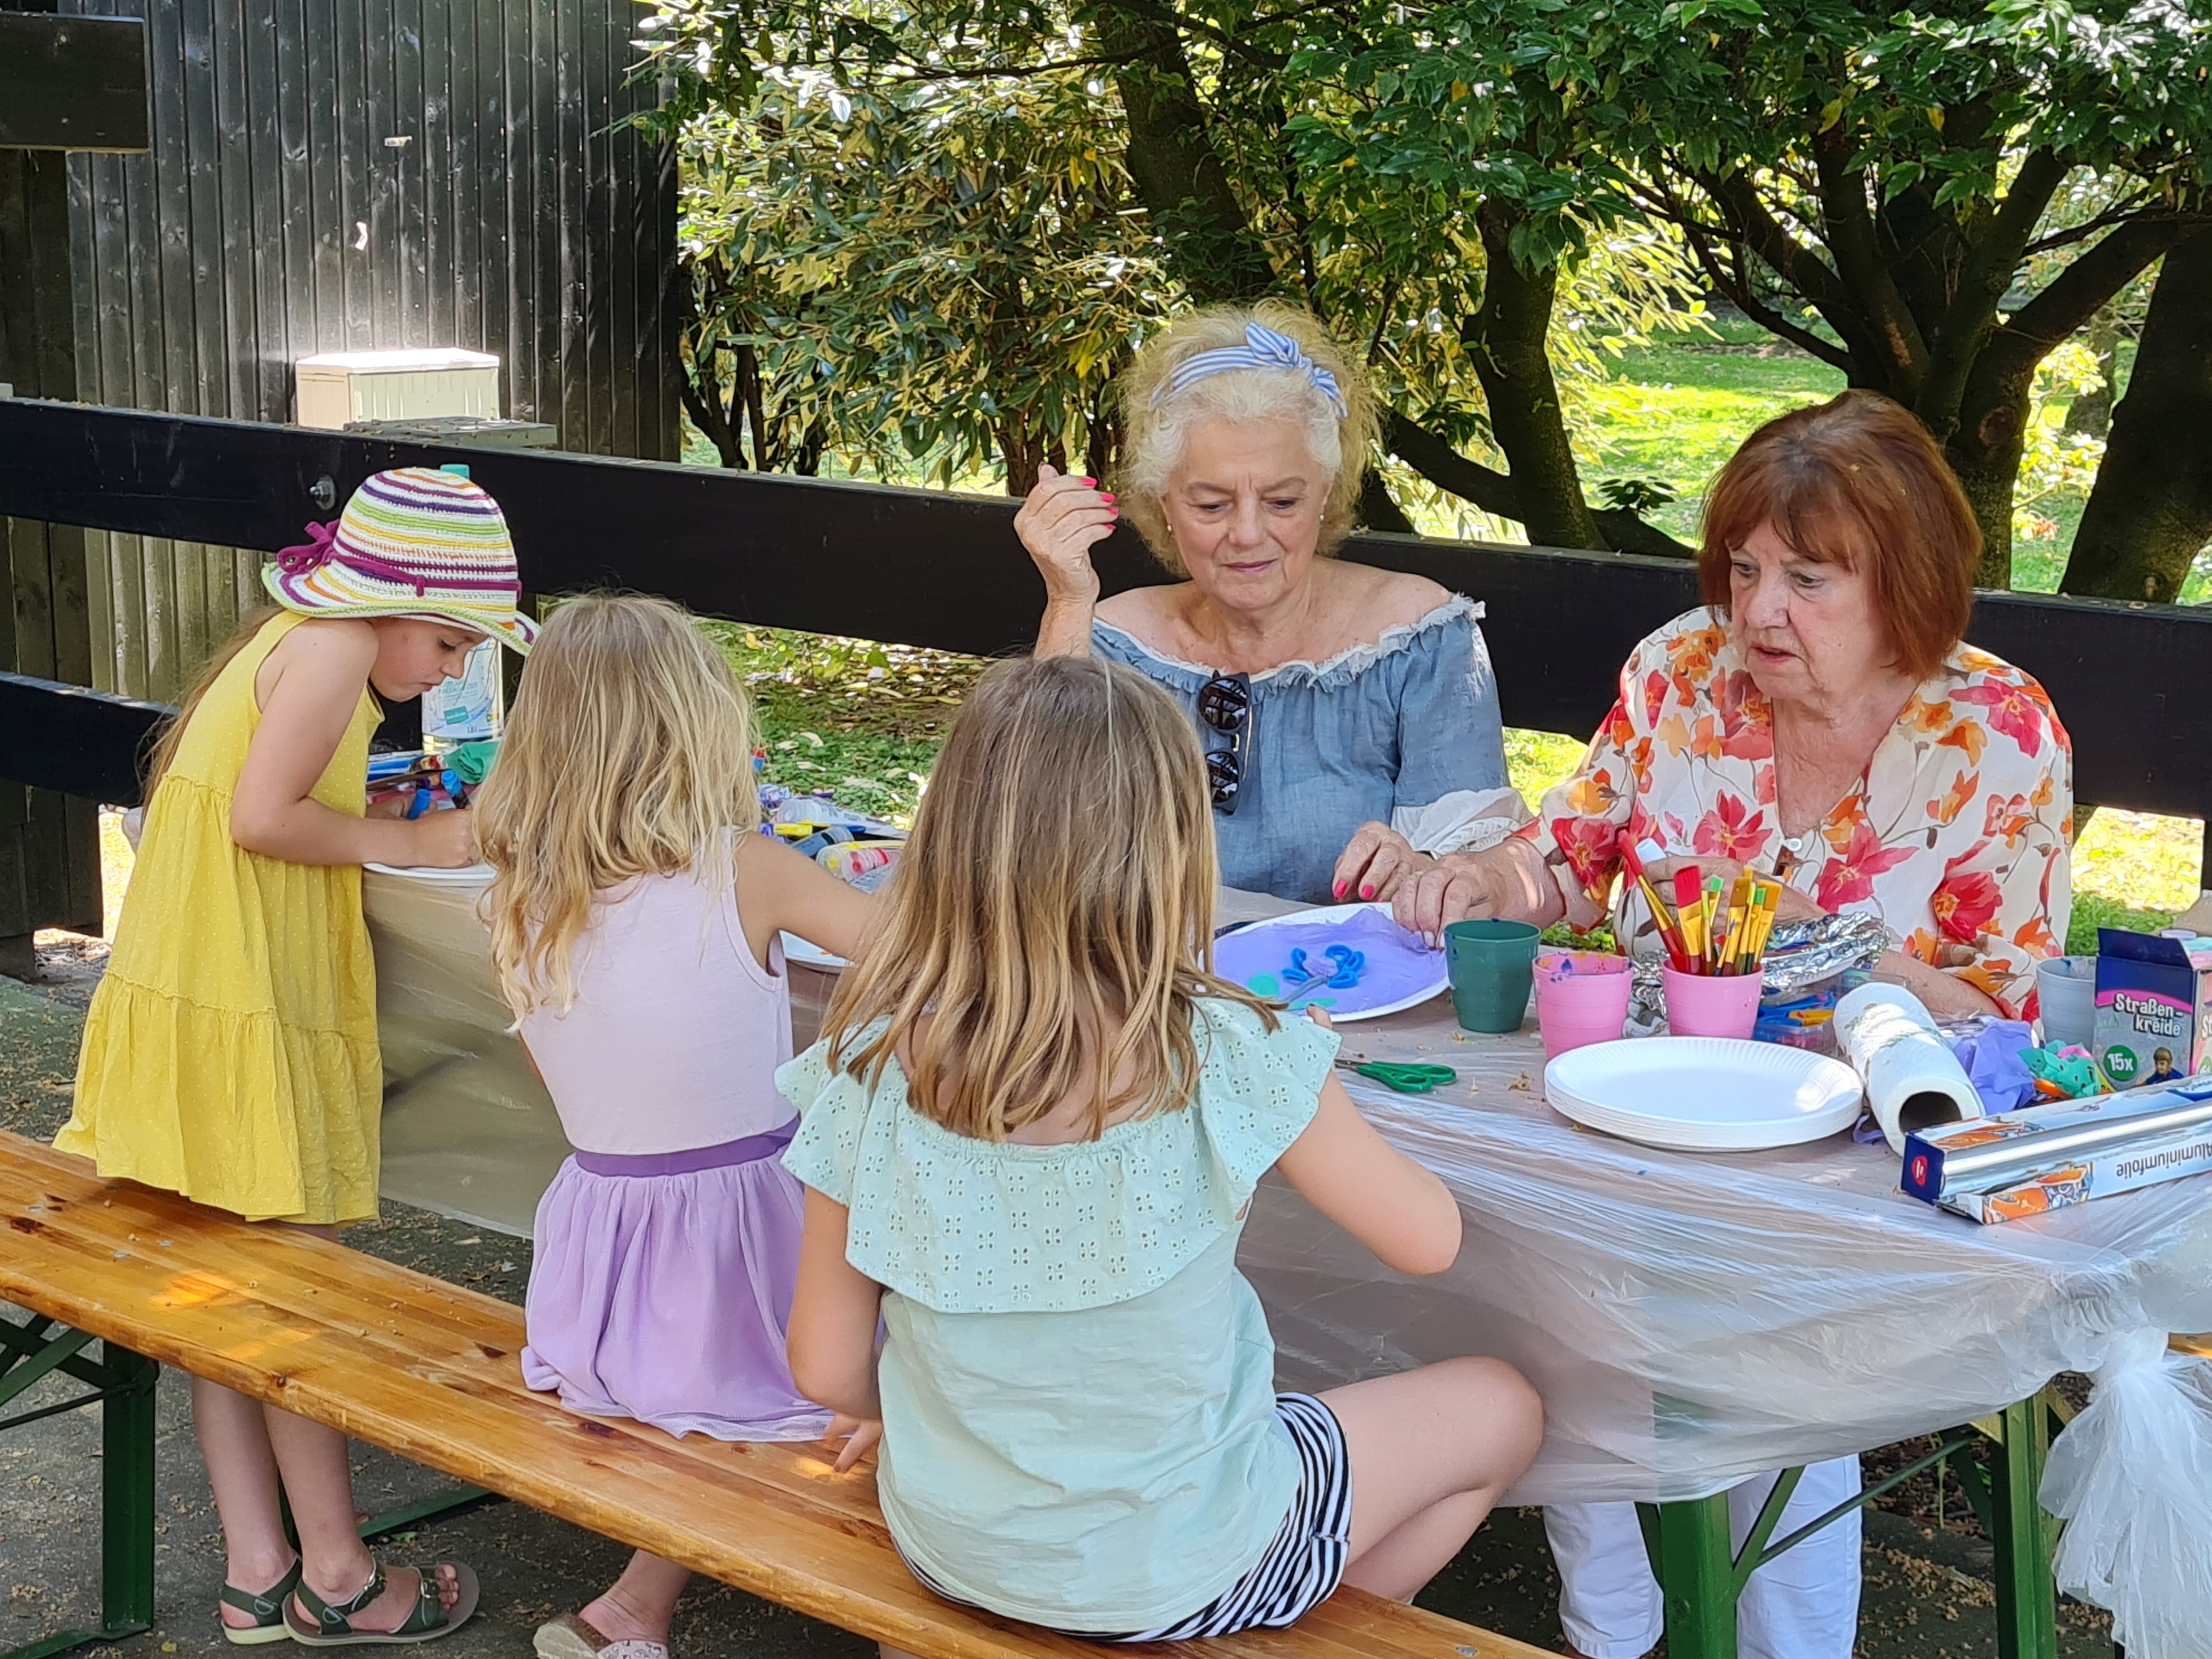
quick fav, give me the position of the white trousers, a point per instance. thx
(1804, 1604)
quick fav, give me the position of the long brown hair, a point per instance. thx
(163, 754)
(629, 753)
(1052, 915)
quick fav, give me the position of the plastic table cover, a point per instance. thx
(1690, 1319)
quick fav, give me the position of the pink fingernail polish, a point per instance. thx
(1367, 892)
(1090, 483)
(1337, 891)
(1105, 494)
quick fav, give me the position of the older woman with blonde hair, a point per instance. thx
(1349, 713)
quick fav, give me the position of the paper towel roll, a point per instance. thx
(1912, 1079)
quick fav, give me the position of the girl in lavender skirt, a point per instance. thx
(634, 920)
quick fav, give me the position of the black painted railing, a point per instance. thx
(931, 568)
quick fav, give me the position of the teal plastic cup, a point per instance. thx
(1491, 966)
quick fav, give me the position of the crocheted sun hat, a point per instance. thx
(416, 541)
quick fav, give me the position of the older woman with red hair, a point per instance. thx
(1820, 720)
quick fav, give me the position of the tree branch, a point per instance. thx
(1757, 229)
(1228, 43)
(1173, 166)
(1848, 228)
(2119, 215)
(2090, 283)
(1737, 285)
(911, 70)
(1435, 459)
(1993, 259)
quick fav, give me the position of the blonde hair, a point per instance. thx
(1340, 446)
(163, 755)
(1053, 912)
(629, 753)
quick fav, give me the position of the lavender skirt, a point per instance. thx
(661, 1287)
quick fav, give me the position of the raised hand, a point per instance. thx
(1062, 519)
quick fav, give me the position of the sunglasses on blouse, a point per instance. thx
(1225, 703)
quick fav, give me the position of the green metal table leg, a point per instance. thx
(2028, 1597)
(451, 1501)
(126, 1479)
(1695, 1565)
(123, 1385)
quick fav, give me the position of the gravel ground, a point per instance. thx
(1929, 1593)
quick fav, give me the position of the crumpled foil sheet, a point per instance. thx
(1799, 955)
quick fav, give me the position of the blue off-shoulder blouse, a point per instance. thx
(1369, 734)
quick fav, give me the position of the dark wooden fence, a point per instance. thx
(944, 570)
(324, 175)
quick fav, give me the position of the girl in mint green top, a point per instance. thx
(1030, 1138)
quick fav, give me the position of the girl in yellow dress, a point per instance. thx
(230, 1054)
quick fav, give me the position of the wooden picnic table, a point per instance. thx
(1691, 1320)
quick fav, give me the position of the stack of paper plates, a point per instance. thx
(481, 874)
(1704, 1094)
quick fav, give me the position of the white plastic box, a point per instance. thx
(334, 387)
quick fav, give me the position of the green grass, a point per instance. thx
(1676, 410)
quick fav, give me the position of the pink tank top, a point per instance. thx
(676, 1032)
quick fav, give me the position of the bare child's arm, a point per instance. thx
(831, 1342)
(308, 691)
(1390, 1204)
(783, 890)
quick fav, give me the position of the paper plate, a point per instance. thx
(1261, 947)
(797, 949)
(481, 874)
(1704, 1094)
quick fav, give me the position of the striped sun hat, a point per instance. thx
(416, 541)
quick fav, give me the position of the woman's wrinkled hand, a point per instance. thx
(1375, 863)
(1451, 889)
(1062, 519)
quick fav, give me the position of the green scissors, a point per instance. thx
(1408, 1079)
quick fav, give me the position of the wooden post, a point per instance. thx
(83, 81)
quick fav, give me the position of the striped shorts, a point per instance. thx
(1301, 1568)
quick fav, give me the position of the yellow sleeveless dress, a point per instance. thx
(230, 1054)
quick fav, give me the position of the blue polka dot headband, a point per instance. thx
(1262, 348)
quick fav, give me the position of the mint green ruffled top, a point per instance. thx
(1078, 1385)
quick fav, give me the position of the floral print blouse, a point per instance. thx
(1956, 836)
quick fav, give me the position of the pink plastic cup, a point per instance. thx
(1710, 1004)
(1582, 998)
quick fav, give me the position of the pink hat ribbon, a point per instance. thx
(310, 555)
(321, 549)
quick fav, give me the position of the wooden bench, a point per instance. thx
(429, 1370)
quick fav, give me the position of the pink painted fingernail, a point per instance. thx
(1367, 892)
(1105, 494)
(1338, 891)
(1090, 483)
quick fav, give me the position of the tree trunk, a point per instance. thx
(2151, 511)
(1377, 509)
(1984, 451)
(1508, 340)
(2090, 414)
(1172, 162)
